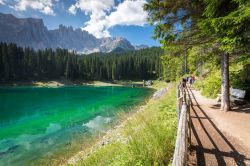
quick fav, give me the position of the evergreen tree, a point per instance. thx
(26, 64)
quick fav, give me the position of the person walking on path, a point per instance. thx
(190, 80)
(184, 82)
(193, 78)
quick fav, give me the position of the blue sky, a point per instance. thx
(102, 18)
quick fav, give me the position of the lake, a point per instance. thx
(34, 122)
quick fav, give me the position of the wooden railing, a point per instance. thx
(183, 131)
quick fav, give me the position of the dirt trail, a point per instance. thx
(218, 138)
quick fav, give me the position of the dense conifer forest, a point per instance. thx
(25, 64)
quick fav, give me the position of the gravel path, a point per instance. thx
(218, 138)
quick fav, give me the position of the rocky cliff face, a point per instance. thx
(109, 44)
(24, 32)
(78, 40)
(31, 32)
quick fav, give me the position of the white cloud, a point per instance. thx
(92, 6)
(104, 15)
(2, 2)
(44, 6)
(97, 9)
(128, 13)
(72, 9)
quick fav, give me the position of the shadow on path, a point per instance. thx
(240, 108)
(210, 142)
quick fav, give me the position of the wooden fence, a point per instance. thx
(183, 132)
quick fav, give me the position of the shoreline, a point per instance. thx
(62, 83)
(115, 133)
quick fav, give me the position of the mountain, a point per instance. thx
(24, 32)
(31, 32)
(118, 50)
(108, 44)
(139, 47)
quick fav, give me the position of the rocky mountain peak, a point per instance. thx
(31, 32)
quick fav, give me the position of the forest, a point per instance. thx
(26, 64)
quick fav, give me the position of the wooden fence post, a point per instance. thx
(180, 105)
(180, 153)
(186, 136)
(189, 121)
(177, 102)
(185, 96)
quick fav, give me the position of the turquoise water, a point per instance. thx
(36, 121)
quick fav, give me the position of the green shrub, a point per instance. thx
(211, 85)
(239, 76)
(198, 85)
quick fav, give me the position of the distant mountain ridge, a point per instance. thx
(31, 32)
(142, 46)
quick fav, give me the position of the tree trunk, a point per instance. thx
(225, 100)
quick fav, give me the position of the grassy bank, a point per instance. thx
(146, 138)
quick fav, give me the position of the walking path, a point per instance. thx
(217, 137)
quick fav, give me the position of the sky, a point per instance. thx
(101, 18)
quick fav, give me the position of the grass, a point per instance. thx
(147, 138)
(158, 84)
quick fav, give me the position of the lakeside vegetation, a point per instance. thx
(146, 138)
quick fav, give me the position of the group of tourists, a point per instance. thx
(189, 79)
